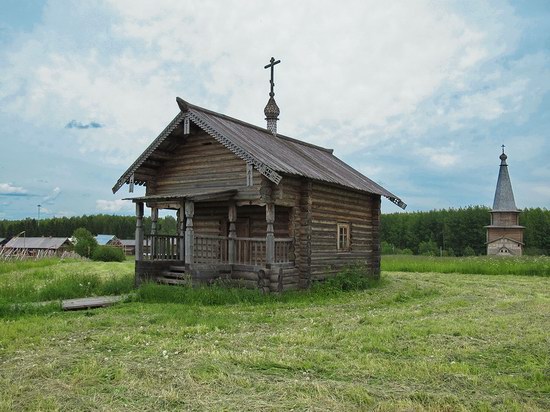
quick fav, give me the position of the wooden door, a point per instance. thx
(242, 226)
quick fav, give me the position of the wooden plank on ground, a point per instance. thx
(90, 303)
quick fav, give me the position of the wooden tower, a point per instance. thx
(504, 234)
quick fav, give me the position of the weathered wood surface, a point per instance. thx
(327, 206)
(498, 233)
(201, 162)
(90, 303)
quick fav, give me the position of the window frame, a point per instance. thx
(344, 246)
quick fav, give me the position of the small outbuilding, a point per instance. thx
(129, 246)
(108, 240)
(37, 246)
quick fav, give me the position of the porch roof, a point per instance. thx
(191, 194)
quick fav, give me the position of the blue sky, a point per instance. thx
(417, 95)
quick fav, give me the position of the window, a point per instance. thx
(249, 174)
(343, 236)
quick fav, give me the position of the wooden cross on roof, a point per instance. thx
(271, 64)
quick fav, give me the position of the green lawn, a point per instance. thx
(416, 341)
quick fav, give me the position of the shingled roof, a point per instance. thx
(273, 156)
(504, 196)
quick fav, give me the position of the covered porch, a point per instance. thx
(215, 239)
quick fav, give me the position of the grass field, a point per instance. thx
(414, 341)
(51, 279)
(484, 265)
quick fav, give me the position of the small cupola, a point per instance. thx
(271, 110)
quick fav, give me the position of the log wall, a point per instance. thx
(505, 218)
(323, 207)
(494, 233)
(200, 162)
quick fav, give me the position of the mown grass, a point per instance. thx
(53, 279)
(485, 265)
(413, 341)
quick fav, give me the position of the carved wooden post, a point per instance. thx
(181, 231)
(189, 232)
(231, 243)
(139, 231)
(270, 236)
(154, 220)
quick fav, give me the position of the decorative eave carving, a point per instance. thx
(237, 150)
(186, 115)
(125, 178)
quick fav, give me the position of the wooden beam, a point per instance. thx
(139, 231)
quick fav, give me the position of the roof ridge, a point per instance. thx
(261, 129)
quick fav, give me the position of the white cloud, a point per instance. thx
(377, 81)
(440, 158)
(117, 205)
(49, 199)
(9, 189)
(360, 70)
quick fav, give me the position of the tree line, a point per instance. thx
(123, 227)
(448, 231)
(457, 232)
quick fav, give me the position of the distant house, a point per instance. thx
(34, 246)
(108, 240)
(129, 246)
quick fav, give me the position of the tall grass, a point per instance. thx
(52, 279)
(483, 265)
(18, 265)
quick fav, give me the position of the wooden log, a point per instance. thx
(245, 275)
(244, 283)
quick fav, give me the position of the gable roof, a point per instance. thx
(500, 239)
(36, 242)
(270, 155)
(102, 240)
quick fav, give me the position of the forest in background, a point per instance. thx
(449, 232)
(457, 232)
(123, 227)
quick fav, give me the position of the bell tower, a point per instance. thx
(504, 234)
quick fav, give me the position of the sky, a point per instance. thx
(417, 95)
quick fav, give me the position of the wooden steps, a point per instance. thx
(176, 275)
(198, 274)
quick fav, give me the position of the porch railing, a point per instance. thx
(162, 247)
(211, 249)
(216, 249)
(284, 250)
(250, 251)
